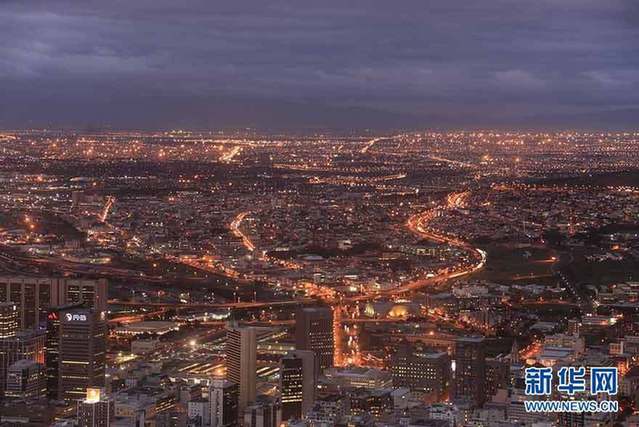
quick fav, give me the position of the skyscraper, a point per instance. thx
(35, 296)
(82, 352)
(52, 349)
(470, 370)
(96, 410)
(314, 332)
(241, 359)
(223, 398)
(298, 371)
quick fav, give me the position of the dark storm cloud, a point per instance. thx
(166, 63)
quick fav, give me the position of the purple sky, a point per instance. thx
(323, 64)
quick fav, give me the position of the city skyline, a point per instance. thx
(200, 279)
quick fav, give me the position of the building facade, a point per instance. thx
(298, 372)
(470, 371)
(241, 359)
(314, 332)
(24, 345)
(25, 381)
(96, 410)
(82, 352)
(223, 401)
(423, 371)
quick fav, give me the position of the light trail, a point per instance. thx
(248, 304)
(235, 229)
(418, 224)
(110, 201)
(228, 157)
(453, 162)
(369, 144)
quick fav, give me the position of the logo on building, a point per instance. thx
(75, 317)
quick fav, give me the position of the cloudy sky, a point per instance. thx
(322, 64)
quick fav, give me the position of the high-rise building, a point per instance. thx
(298, 375)
(52, 348)
(314, 332)
(241, 359)
(25, 381)
(96, 410)
(264, 412)
(35, 296)
(82, 352)
(223, 400)
(27, 345)
(470, 371)
(8, 320)
(423, 371)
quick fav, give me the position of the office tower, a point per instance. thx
(223, 398)
(264, 412)
(314, 332)
(96, 409)
(35, 296)
(8, 320)
(25, 381)
(298, 374)
(241, 359)
(28, 345)
(82, 352)
(470, 371)
(52, 348)
(423, 371)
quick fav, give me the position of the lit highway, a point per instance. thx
(235, 229)
(239, 305)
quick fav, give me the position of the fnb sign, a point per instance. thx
(75, 317)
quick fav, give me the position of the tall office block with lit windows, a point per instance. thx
(423, 371)
(52, 348)
(297, 383)
(82, 352)
(314, 332)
